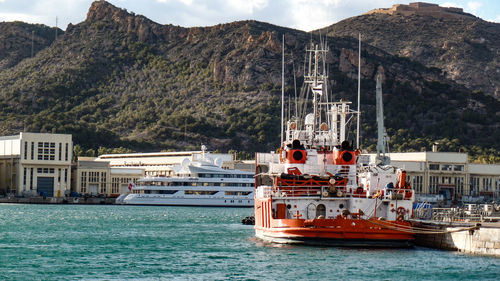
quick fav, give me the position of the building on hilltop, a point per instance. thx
(35, 164)
(421, 8)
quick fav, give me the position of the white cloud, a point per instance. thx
(30, 18)
(474, 6)
(450, 4)
(313, 14)
(247, 6)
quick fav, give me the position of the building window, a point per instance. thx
(103, 182)
(434, 167)
(24, 179)
(32, 150)
(433, 184)
(45, 170)
(446, 180)
(25, 150)
(486, 184)
(458, 168)
(94, 177)
(66, 153)
(417, 183)
(31, 179)
(65, 175)
(115, 185)
(46, 151)
(83, 187)
(445, 167)
(474, 186)
(459, 185)
(60, 151)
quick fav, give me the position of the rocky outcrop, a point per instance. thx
(465, 48)
(144, 28)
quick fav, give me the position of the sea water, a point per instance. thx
(96, 242)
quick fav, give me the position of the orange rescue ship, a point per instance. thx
(313, 190)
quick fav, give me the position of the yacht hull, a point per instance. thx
(210, 202)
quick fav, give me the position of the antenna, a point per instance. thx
(282, 87)
(32, 39)
(295, 89)
(359, 91)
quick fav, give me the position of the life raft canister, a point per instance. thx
(296, 154)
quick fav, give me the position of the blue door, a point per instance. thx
(45, 186)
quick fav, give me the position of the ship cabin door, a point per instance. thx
(321, 211)
(311, 211)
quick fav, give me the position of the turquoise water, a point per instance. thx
(62, 242)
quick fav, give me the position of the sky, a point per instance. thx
(305, 15)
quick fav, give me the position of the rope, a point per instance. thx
(419, 230)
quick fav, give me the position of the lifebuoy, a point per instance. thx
(401, 211)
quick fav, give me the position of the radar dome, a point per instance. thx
(218, 162)
(185, 163)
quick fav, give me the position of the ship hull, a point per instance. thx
(339, 231)
(179, 201)
(320, 239)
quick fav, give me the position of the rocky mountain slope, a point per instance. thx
(119, 79)
(16, 40)
(464, 47)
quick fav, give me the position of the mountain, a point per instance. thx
(16, 40)
(121, 80)
(464, 47)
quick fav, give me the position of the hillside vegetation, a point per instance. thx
(120, 81)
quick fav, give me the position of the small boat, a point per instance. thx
(198, 183)
(312, 190)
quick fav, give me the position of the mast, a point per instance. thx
(282, 88)
(359, 92)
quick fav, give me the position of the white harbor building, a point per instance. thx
(449, 174)
(35, 164)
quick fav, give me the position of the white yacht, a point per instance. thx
(199, 183)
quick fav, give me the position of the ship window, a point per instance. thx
(199, 192)
(320, 211)
(237, 193)
(167, 191)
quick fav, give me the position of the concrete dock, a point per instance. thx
(58, 200)
(479, 238)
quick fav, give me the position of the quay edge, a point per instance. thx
(479, 239)
(59, 200)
